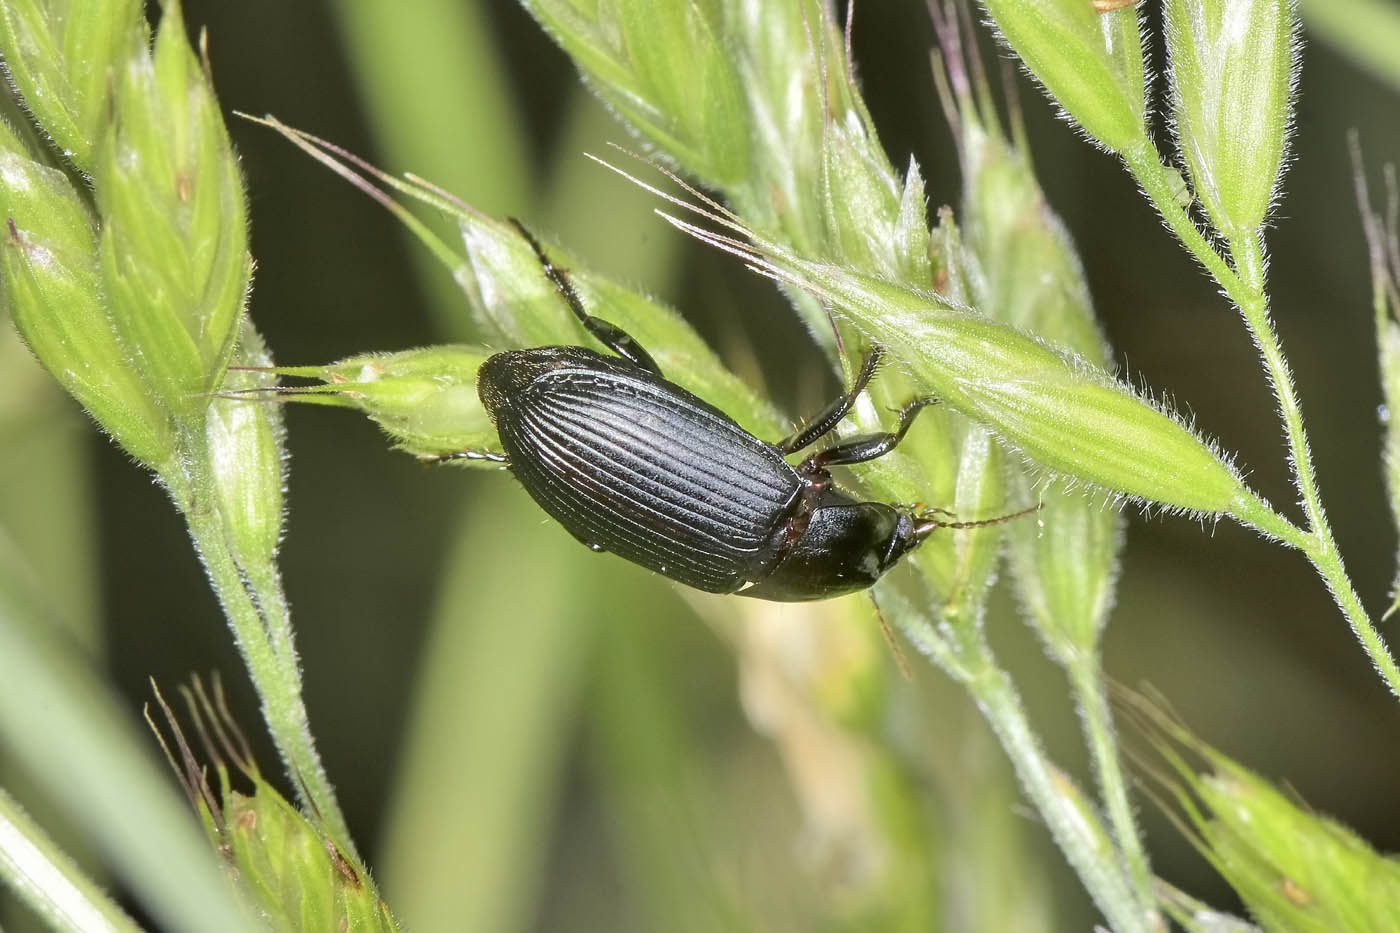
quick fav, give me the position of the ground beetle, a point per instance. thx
(630, 462)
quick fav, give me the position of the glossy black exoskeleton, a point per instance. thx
(631, 463)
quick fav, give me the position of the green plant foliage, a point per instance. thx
(53, 292)
(43, 876)
(425, 399)
(1071, 418)
(293, 876)
(1232, 67)
(872, 220)
(1295, 869)
(134, 305)
(128, 283)
(125, 266)
(246, 455)
(57, 55)
(174, 252)
(665, 67)
(1028, 275)
(296, 879)
(1090, 62)
(59, 717)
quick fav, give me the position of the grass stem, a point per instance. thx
(1244, 285)
(1086, 679)
(256, 608)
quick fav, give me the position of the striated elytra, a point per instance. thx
(630, 462)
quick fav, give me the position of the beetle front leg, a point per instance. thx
(609, 334)
(868, 447)
(831, 416)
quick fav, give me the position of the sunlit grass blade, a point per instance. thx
(63, 723)
(48, 882)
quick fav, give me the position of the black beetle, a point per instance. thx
(631, 463)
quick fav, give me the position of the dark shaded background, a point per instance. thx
(1239, 634)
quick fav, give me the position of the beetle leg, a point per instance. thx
(831, 416)
(800, 516)
(620, 342)
(609, 335)
(488, 455)
(868, 447)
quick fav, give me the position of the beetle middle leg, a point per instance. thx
(609, 334)
(867, 447)
(489, 456)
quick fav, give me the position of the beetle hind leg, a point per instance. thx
(609, 334)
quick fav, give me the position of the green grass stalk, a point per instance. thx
(1246, 289)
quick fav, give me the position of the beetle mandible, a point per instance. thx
(632, 463)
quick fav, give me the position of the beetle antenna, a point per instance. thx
(927, 525)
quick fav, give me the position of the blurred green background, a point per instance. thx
(527, 736)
